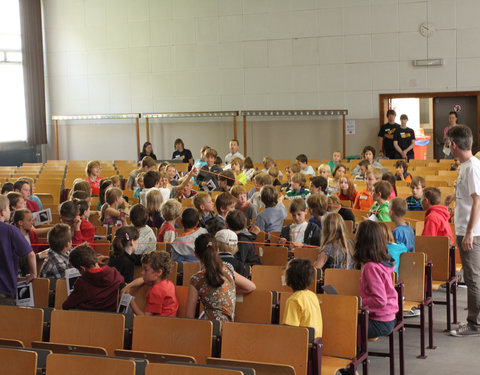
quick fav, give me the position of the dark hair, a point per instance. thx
(433, 194)
(69, 209)
(391, 112)
(302, 158)
(190, 218)
(227, 176)
(370, 244)
(369, 148)
(404, 117)
(297, 204)
(269, 196)
(206, 249)
(248, 163)
(178, 141)
(453, 113)
(13, 198)
(418, 180)
(19, 215)
(384, 188)
(122, 237)
(59, 237)
(461, 135)
(139, 215)
(318, 204)
(159, 260)
(390, 177)
(82, 205)
(83, 256)
(80, 194)
(105, 183)
(364, 163)
(401, 163)
(337, 167)
(145, 145)
(320, 182)
(218, 160)
(150, 179)
(235, 140)
(299, 273)
(224, 200)
(19, 184)
(235, 220)
(7, 186)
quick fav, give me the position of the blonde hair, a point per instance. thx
(387, 232)
(263, 179)
(91, 164)
(154, 200)
(4, 202)
(171, 209)
(267, 160)
(237, 161)
(324, 168)
(115, 179)
(200, 199)
(223, 247)
(376, 171)
(317, 204)
(335, 232)
(334, 203)
(299, 178)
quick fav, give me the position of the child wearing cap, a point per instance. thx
(227, 241)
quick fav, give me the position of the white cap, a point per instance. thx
(227, 236)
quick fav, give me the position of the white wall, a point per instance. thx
(110, 56)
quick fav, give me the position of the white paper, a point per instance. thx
(350, 127)
(42, 217)
(211, 186)
(25, 294)
(373, 217)
(71, 275)
(124, 304)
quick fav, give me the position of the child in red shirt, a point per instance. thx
(436, 215)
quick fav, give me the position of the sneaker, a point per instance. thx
(465, 330)
(412, 313)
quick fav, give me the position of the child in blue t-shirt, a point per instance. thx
(402, 233)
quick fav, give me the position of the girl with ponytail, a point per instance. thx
(216, 284)
(123, 256)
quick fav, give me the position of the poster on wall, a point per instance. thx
(350, 127)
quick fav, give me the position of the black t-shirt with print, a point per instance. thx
(388, 129)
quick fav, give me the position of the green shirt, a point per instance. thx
(380, 211)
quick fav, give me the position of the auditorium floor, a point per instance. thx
(452, 355)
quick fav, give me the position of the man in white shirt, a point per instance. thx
(467, 223)
(234, 145)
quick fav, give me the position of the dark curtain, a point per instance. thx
(32, 46)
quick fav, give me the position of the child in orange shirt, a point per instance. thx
(364, 199)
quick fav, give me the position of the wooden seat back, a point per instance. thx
(190, 369)
(272, 255)
(88, 328)
(41, 291)
(411, 271)
(266, 343)
(346, 282)
(310, 253)
(60, 293)
(18, 362)
(254, 307)
(437, 250)
(182, 293)
(273, 278)
(189, 269)
(61, 364)
(21, 323)
(173, 335)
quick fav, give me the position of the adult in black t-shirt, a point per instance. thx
(404, 140)
(182, 153)
(385, 135)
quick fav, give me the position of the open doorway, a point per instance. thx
(428, 114)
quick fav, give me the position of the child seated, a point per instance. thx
(161, 299)
(273, 172)
(302, 162)
(364, 199)
(183, 249)
(402, 233)
(153, 180)
(227, 241)
(24, 188)
(83, 208)
(15, 201)
(368, 153)
(362, 169)
(334, 183)
(298, 187)
(82, 230)
(272, 217)
(336, 159)
(7, 187)
(173, 175)
(300, 232)
(237, 168)
(208, 177)
(204, 204)
(146, 237)
(171, 211)
(140, 185)
(336, 248)
(302, 308)
(388, 176)
(248, 168)
(224, 203)
(111, 212)
(401, 174)
(262, 179)
(317, 206)
(347, 189)
(124, 257)
(154, 204)
(226, 179)
(60, 242)
(334, 205)
(246, 249)
(414, 201)
(97, 288)
(436, 215)
(248, 209)
(324, 171)
(290, 171)
(394, 249)
(184, 189)
(318, 185)
(379, 210)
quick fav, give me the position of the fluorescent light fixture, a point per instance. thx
(315, 112)
(191, 114)
(428, 62)
(120, 116)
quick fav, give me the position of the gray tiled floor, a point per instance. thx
(452, 356)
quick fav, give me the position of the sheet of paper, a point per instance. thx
(42, 217)
(25, 294)
(71, 275)
(124, 304)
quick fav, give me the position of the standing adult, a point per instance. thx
(182, 153)
(234, 145)
(467, 223)
(385, 135)
(147, 151)
(452, 121)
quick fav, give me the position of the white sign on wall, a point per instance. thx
(350, 127)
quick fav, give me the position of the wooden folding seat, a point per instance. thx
(89, 328)
(441, 254)
(18, 362)
(60, 364)
(60, 293)
(41, 291)
(191, 369)
(190, 337)
(310, 253)
(152, 357)
(272, 255)
(346, 282)
(273, 278)
(404, 191)
(254, 307)
(189, 269)
(416, 275)
(102, 247)
(21, 323)
(46, 198)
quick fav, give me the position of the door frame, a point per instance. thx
(383, 100)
